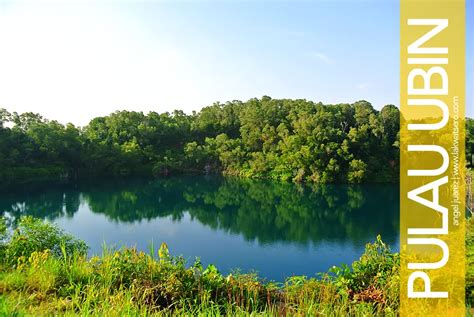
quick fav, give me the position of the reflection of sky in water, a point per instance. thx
(233, 242)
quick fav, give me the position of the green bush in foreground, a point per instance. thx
(34, 235)
(52, 275)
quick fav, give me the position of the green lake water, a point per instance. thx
(275, 229)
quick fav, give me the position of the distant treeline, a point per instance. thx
(281, 139)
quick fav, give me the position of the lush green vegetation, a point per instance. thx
(281, 139)
(45, 271)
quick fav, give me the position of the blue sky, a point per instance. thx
(72, 62)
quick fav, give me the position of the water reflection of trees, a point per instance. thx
(258, 210)
(47, 203)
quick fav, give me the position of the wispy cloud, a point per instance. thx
(321, 57)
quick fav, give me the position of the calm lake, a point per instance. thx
(276, 229)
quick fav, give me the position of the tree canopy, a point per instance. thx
(281, 139)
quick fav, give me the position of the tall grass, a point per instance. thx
(44, 271)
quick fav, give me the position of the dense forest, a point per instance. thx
(281, 139)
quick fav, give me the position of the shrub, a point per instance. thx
(34, 235)
(373, 278)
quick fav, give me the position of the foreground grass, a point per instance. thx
(44, 271)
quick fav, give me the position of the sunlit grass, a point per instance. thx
(37, 281)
